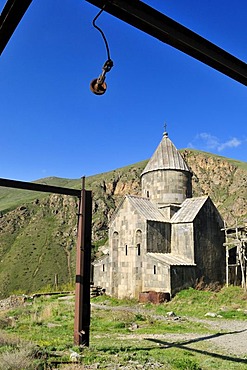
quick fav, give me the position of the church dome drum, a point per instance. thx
(166, 178)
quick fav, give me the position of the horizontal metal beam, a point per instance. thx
(158, 25)
(10, 17)
(39, 187)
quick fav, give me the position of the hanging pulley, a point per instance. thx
(98, 85)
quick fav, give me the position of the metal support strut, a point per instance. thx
(83, 266)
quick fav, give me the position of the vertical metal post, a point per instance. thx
(83, 264)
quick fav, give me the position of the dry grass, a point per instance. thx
(8, 340)
(16, 359)
(18, 354)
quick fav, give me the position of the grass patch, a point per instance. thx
(230, 302)
(126, 333)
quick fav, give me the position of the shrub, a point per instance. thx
(7, 340)
(16, 359)
(186, 364)
(3, 323)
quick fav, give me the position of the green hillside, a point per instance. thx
(38, 230)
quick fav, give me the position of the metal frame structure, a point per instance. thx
(83, 251)
(165, 29)
(39, 187)
(150, 21)
(83, 267)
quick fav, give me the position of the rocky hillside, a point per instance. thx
(224, 180)
(38, 232)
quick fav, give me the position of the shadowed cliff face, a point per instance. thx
(38, 237)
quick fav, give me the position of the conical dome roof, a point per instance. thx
(166, 157)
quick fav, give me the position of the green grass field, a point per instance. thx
(43, 328)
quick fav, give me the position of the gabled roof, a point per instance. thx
(166, 157)
(171, 259)
(144, 207)
(189, 209)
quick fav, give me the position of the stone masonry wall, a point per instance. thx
(209, 249)
(127, 275)
(165, 187)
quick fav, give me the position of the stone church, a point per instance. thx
(165, 240)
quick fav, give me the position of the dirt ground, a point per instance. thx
(231, 336)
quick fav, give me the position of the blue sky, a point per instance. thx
(52, 125)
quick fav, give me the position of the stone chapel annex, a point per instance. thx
(165, 240)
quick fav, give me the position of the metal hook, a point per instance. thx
(102, 33)
(98, 85)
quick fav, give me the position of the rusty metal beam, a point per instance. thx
(165, 29)
(83, 264)
(39, 187)
(10, 17)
